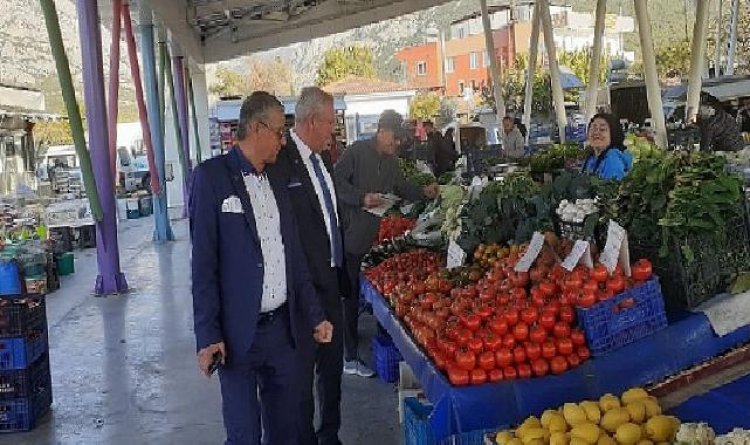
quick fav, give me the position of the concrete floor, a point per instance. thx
(124, 369)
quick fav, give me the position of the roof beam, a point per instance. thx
(172, 16)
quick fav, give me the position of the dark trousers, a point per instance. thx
(322, 368)
(351, 308)
(259, 389)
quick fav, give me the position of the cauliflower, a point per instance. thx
(695, 434)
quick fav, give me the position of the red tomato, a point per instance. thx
(476, 345)
(533, 351)
(540, 367)
(511, 316)
(591, 286)
(466, 360)
(487, 360)
(440, 361)
(578, 338)
(549, 349)
(495, 375)
(510, 373)
(538, 302)
(616, 284)
(519, 279)
(458, 376)
(492, 342)
(463, 337)
(573, 283)
(521, 331)
(509, 341)
(538, 335)
(547, 288)
(529, 315)
(599, 273)
(558, 365)
(524, 370)
(642, 270)
(503, 357)
(478, 376)
(499, 326)
(561, 329)
(584, 353)
(573, 360)
(565, 346)
(547, 320)
(487, 294)
(587, 299)
(471, 321)
(567, 314)
(484, 312)
(519, 354)
(518, 294)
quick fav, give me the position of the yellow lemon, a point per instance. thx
(628, 434)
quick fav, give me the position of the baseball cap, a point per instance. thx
(391, 120)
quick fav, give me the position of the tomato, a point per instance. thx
(573, 283)
(584, 353)
(578, 338)
(476, 345)
(511, 316)
(587, 299)
(565, 346)
(503, 357)
(549, 349)
(518, 294)
(499, 326)
(463, 336)
(519, 354)
(599, 273)
(573, 360)
(524, 370)
(538, 335)
(567, 314)
(495, 375)
(466, 360)
(547, 320)
(521, 331)
(519, 279)
(641, 270)
(458, 376)
(536, 275)
(486, 360)
(509, 341)
(538, 302)
(440, 360)
(540, 367)
(561, 329)
(471, 321)
(487, 294)
(591, 286)
(509, 373)
(547, 288)
(492, 342)
(558, 365)
(529, 315)
(616, 284)
(533, 351)
(626, 303)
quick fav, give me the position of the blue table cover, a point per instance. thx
(687, 341)
(724, 408)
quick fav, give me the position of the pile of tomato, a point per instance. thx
(393, 227)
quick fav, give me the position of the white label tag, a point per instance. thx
(456, 255)
(617, 242)
(528, 258)
(581, 252)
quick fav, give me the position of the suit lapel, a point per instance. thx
(235, 175)
(301, 171)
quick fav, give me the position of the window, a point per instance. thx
(473, 60)
(421, 68)
(485, 59)
(449, 65)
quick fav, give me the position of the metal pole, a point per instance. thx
(114, 84)
(163, 230)
(733, 37)
(698, 53)
(489, 42)
(554, 70)
(653, 90)
(528, 101)
(110, 279)
(191, 100)
(717, 56)
(596, 57)
(182, 108)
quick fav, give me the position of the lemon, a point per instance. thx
(652, 407)
(558, 425)
(558, 438)
(514, 441)
(628, 434)
(660, 428)
(637, 411)
(592, 411)
(634, 394)
(645, 442)
(529, 434)
(587, 432)
(604, 439)
(547, 416)
(574, 414)
(503, 437)
(608, 402)
(613, 418)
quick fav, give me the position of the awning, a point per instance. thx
(569, 80)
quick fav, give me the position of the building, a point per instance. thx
(421, 65)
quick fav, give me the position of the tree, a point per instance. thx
(339, 63)
(579, 63)
(227, 83)
(742, 57)
(425, 106)
(53, 132)
(274, 76)
(673, 60)
(514, 88)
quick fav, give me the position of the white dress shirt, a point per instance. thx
(305, 153)
(268, 225)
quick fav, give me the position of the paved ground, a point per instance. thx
(123, 368)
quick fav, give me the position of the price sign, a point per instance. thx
(456, 255)
(581, 252)
(528, 258)
(616, 250)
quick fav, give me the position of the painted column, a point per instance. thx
(110, 279)
(557, 92)
(178, 67)
(596, 57)
(114, 84)
(163, 230)
(697, 56)
(718, 53)
(733, 37)
(497, 85)
(528, 101)
(653, 89)
(200, 113)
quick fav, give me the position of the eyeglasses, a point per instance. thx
(279, 133)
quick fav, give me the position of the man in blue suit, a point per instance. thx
(253, 299)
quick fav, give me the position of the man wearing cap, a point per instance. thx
(365, 170)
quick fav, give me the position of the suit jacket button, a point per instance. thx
(260, 265)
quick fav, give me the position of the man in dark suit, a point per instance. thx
(305, 162)
(253, 300)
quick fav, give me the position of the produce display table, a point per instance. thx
(687, 341)
(724, 408)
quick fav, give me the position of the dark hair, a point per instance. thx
(507, 119)
(256, 108)
(616, 135)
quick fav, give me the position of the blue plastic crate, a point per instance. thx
(417, 430)
(19, 316)
(18, 353)
(20, 383)
(610, 326)
(18, 415)
(386, 358)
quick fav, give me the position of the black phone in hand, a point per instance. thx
(215, 362)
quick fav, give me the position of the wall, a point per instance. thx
(428, 53)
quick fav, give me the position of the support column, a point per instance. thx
(200, 112)
(180, 96)
(110, 279)
(697, 56)
(718, 51)
(528, 101)
(114, 85)
(653, 89)
(733, 37)
(554, 70)
(163, 230)
(497, 85)
(592, 92)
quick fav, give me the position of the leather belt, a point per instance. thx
(270, 316)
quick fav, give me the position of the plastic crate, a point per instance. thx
(386, 358)
(18, 415)
(417, 430)
(610, 326)
(21, 315)
(25, 382)
(18, 353)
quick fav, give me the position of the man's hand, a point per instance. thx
(206, 356)
(431, 191)
(372, 200)
(323, 332)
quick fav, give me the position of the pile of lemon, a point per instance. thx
(633, 419)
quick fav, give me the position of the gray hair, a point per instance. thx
(311, 101)
(256, 108)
